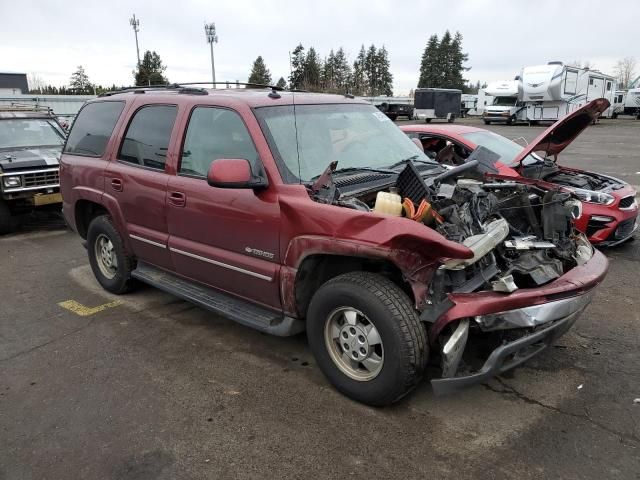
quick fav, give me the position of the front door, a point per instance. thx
(226, 238)
(136, 178)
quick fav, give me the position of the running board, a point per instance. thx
(223, 304)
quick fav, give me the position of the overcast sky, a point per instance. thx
(51, 38)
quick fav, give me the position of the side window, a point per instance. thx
(608, 86)
(215, 133)
(92, 128)
(147, 139)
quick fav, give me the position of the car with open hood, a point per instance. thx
(610, 209)
(289, 211)
(31, 141)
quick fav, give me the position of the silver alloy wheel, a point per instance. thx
(106, 256)
(354, 344)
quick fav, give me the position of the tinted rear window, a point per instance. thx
(92, 129)
(147, 139)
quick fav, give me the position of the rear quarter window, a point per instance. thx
(92, 128)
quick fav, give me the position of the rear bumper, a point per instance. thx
(547, 312)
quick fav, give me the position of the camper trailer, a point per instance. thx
(631, 105)
(552, 91)
(505, 107)
(618, 103)
(430, 103)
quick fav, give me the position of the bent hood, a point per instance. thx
(559, 135)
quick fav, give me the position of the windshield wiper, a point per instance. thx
(414, 158)
(359, 169)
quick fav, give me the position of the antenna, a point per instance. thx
(292, 88)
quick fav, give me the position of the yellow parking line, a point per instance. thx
(83, 311)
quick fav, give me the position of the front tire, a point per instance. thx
(110, 263)
(367, 338)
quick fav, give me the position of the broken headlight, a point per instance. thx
(594, 197)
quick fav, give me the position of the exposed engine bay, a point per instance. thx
(550, 172)
(521, 235)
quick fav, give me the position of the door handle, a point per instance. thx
(177, 199)
(116, 184)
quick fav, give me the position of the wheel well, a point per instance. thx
(85, 212)
(315, 270)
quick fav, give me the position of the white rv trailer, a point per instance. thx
(484, 100)
(618, 103)
(505, 107)
(632, 99)
(552, 91)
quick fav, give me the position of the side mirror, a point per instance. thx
(418, 144)
(233, 173)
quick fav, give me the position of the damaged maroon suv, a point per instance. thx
(291, 211)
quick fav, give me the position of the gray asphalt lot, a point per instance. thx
(145, 386)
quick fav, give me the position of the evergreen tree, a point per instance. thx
(456, 63)
(282, 83)
(342, 71)
(443, 61)
(79, 82)
(385, 78)
(312, 71)
(428, 64)
(359, 79)
(371, 70)
(260, 73)
(329, 73)
(151, 71)
(298, 60)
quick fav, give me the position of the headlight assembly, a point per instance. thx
(594, 197)
(12, 181)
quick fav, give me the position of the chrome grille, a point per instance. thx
(41, 179)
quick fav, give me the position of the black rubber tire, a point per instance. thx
(427, 120)
(451, 119)
(7, 221)
(122, 281)
(487, 122)
(392, 117)
(406, 349)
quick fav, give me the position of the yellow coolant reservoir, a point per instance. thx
(388, 203)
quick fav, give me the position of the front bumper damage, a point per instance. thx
(543, 313)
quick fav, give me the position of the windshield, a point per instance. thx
(504, 101)
(502, 146)
(357, 136)
(29, 132)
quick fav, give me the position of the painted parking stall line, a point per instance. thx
(84, 311)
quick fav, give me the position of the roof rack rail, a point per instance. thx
(25, 107)
(187, 87)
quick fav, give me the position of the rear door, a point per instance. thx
(136, 179)
(595, 88)
(226, 238)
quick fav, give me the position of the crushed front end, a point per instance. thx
(531, 274)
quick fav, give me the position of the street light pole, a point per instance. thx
(212, 37)
(135, 23)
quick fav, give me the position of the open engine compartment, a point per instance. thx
(522, 235)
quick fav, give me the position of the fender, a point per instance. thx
(112, 206)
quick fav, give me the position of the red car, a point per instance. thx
(283, 212)
(610, 208)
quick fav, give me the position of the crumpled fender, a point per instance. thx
(311, 228)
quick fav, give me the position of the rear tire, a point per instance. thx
(427, 120)
(7, 221)
(487, 122)
(110, 263)
(367, 338)
(451, 119)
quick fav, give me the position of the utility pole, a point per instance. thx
(135, 23)
(212, 37)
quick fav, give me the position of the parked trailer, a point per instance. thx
(469, 104)
(505, 106)
(430, 103)
(552, 91)
(631, 105)
(392, 107)
(484, 100)
(618, 103)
